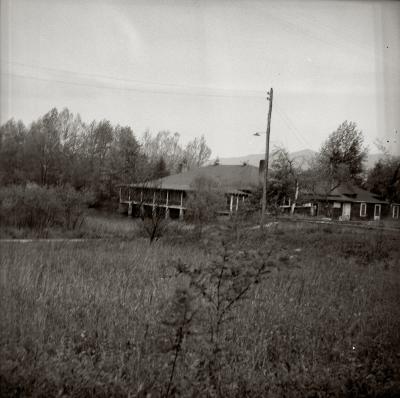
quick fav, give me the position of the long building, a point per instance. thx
(171, 193)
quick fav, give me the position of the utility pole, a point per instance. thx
(264, 197)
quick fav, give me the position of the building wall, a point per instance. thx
(355, 211)
(391, 211)
(386, 211)
(336, 212)
(329, 210)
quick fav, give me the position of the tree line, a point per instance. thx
(59, 149)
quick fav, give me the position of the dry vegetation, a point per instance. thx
(125, 318)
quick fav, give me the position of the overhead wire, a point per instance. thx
(281, 112)
(97, 75)
(299, 136)
(185, 90)
(290, 130)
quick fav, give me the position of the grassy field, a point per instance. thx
(306, 310)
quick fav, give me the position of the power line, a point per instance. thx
(281, 113)
(232, 94)
(292, 127)
(101, 76)
(294, 134)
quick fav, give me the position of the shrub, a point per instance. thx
(204, 202)
(40, 208)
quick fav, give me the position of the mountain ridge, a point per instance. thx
(302, 158)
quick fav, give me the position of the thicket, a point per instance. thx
(41, 208)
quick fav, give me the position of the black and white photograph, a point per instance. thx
(199, 198)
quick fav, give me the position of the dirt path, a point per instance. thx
(56, 240)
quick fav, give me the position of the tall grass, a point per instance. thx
(89, 319)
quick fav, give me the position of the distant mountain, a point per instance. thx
(302, 158)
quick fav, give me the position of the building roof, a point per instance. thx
(229, 178)
(347, 192)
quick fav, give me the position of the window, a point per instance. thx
(396, 211)
(377, 212)
(363, 209)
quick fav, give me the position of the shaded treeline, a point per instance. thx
(60, 149)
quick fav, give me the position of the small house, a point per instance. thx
(349, 202)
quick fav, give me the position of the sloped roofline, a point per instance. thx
(234, 179)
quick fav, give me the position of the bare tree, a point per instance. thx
(197, 152)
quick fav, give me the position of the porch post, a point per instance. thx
(120, 194)
(129, 202)
(166, 207)
(141, 210)
(231, 205)
(237, 203)
(181, 208)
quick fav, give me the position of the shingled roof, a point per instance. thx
(347, 192)
(353, 193)
(229, 178)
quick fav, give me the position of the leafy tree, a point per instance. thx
(43, 149)
(125, 160)
(384, 179)
(97, 142)
(343, 153)
(12, 145)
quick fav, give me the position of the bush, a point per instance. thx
(40, 208)
(204, 202)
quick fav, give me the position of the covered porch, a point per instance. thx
(139, 201)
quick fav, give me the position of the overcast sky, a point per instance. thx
(204, 67)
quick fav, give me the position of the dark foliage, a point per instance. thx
(41, 208)
(384, 179)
